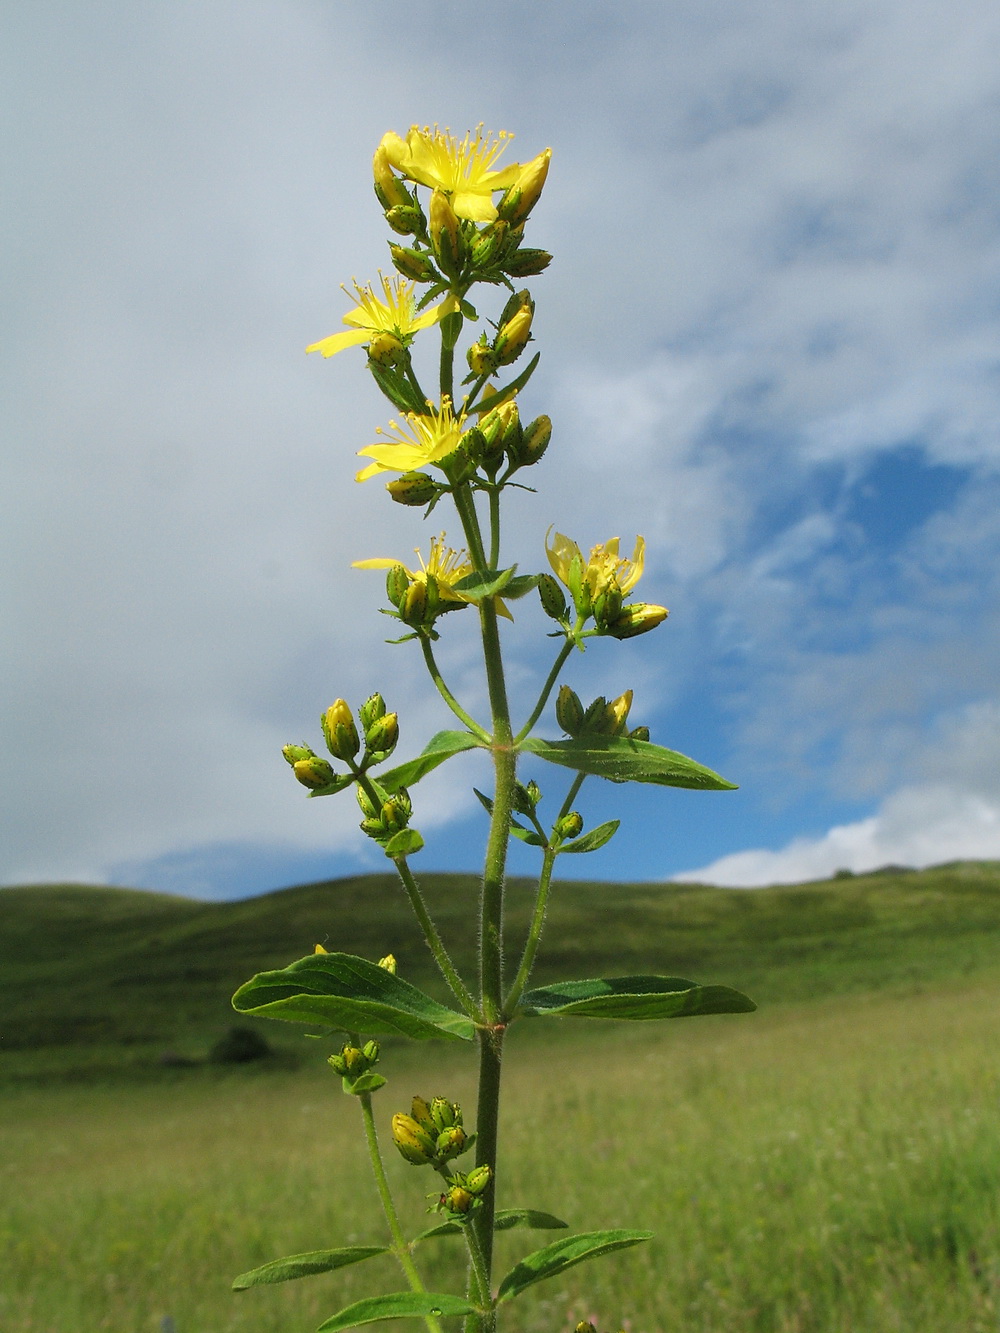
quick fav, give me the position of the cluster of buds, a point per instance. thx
(418, 601)
(432, 1133)
(512, 336)
(499, 437)
(601, 718)
(379, 728)
(353, 1061)
(464, 1192)
(387, 816)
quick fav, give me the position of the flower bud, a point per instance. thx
(457, 1200)
(397, 582)
(445, 1113)
(339, 731)
(570, 826)
(527, 263)
(488, 243)
(371, 710)
(338, 1064)
(318, 948)
(617, 713)
(478, 1178)
(389, 188)
(522, 196)
(414, 1143)
(481, 358)
(385, 349)
(585, 1326)
(607, 604)
(413, 607)
(569, 711)
(395, 814)
(370, 1050)
(405, 219)
(420, 1110)
(293, 753)
(526, 798)
(450, 1143)
(354, 1060)
(639, 734)
(413, 264)
(412, 488)
(383, 734)
(638, 618)
(535, 441)
(513, 336)
(368, 808)
(550, 594)
(314, 772)
(445, 233)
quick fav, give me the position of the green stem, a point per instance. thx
(447, 372)
(400, 1247)
(494, 528)
(543, 698)
(447, 695)
(466, 505)
(534, 933)
(434, 941)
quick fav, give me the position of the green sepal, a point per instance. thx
(515, 386)
(636, 998)
(478, 587)
(563, 1254)
(597, 837)
(432, 293)
(407, 842)
(350, 994)
(622, 760)
(505, 1220)
(306, 1265)
(398, 1305)
(331, 788)
(364, 1083)
(445, 745)
(468, 310)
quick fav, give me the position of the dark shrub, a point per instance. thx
(238, 1047)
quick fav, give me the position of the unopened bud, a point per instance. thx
(526, 798)
(569, 711)
(551, 596)
(413, 607)
(638, 618)
(314, 772)
(370, 1050)
(513, 336)
(570, 826)
(397, 582)
(339, 731)
(535, 441)
(412, 488)
(414, 264)
(388, 964)
(389, 188)
(608, 605)
(486, 246)
(385, 349)
(371, 710)
(527, 263)
(395, 814)
(617, 714)
(445, 233)
(445, 1113)
(420, 1110)
(458, 1200)
(405, 219)
(478, 1178)
(450, 1143)
(368, 807)
(522, 196)
(480, 357)
(414, 1143)
(293, 753)
(383, 734)
(639, 734)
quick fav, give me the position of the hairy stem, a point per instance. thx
(434, 941)
(446, 693)
(543, 698)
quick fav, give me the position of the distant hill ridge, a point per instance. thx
(82, 965)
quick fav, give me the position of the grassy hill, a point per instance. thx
(94, 977)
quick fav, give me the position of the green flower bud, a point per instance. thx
(397, 583)
(534, 441)
(388, 963)
(382, 735)
(339, 731)
(414, 1143)
(385, 349)
(594, 716)
(413, 264)
(527, 263)
(450, 1143)
(551, 596)
(338, 1064)
(405, 219)
(513, 336)
(569, 710)
(639, 734)
(608, 604)
(478, 1178)
(445, 1113)
(372, 828)
(395, 814)
(446, 234)
(293, 753)
(481, 358)
(314, 772)
(616, 714)
(370, 1051)
(526, 798)
(457, 1200)
(585, 1326)
(421, 1112)
(368, 808)
(570, 826)
(371, 710)
(488, 244)
(354, 1060)
(412, 488)
(638, 618)
(413, 607)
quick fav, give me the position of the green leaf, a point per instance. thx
(445, 745)
(364, 1083)
(563, 1254)
(407, 842)
(338, 784)
(398, 1305)
(597, 837)
(451, 327)
(505, 1220)
(633, 998)
(501, 395)
(517, 829)
(487, 584)
(305, 1265)
(520, 585)
(351, 994)
(622, 760)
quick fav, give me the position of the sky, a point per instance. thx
(769, 344)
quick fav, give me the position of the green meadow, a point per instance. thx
(829, 1163)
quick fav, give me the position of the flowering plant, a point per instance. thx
(465, 447)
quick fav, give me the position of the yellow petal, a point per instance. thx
(377, 562)
(338, 341)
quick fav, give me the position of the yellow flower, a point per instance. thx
(446, 565)
(419, 441)
(463, 170)
(604, 567)
(394, 313)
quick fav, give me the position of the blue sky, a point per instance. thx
(769, 343)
